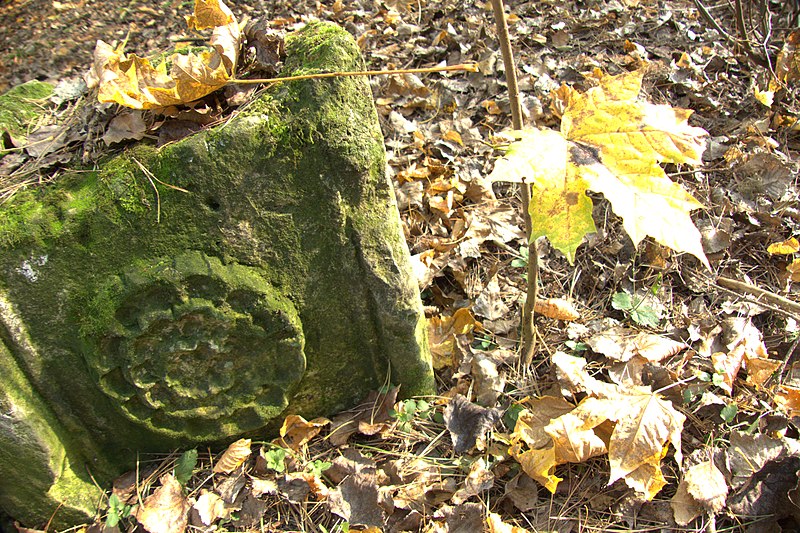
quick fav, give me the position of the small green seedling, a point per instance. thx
(116, 511)
(522, 260)
(276, 459)
(633, 305)
(407, 410)
(576, 346)
(317, 467)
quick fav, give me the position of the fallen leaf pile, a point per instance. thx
(661, 396)
(185, 76)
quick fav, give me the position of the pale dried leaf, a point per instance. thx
(489, 382)
(297, 431)
(706, 484)
(210, 507)
(496, 525)
(479, 479)
(622, 344)
(233, 457)
(166, 510)
(556, 308)
(125, 126)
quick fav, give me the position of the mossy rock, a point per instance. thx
(204, 290)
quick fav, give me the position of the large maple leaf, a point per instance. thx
(133, 81)
(632, 425)
(613, 143)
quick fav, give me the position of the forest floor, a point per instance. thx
(719, 346)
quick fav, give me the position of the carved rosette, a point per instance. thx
(196, 349)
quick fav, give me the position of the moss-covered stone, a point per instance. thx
(206, 289)
(22, 104)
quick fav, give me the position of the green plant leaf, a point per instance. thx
(613, 143)
(276, 459)
(184, 466)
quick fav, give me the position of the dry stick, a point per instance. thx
(787, 306)
(466, 67)
(528, 337)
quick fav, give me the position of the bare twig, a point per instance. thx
(528, 337)
(466, 67)
(762, 295)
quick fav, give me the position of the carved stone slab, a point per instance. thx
(204, 290)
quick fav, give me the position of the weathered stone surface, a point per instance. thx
(137, 316)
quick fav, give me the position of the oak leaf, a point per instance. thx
(611, 142)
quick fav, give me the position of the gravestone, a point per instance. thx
(204, 290)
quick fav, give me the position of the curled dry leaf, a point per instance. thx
(210, 508)
(622, 344)
(495, 524)
(789, 246)
(134, 82)
(442, 333)
(556, 308)
(166, 510)
(297, 431)
(489, 382)
(371, 415)
(233, 457)
(479, 479)
(357, 498)
(468, 423)
(467, 517)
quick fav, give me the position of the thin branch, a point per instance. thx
(466, 67)
(762, 295)
(528, 337)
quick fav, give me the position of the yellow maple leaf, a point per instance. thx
(632, 425)
(134, 82)
(613, 143)
(789, 246)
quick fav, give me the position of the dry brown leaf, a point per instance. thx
(788, 400)
(233, 457)
(523, 492)
(489, 382)
(134, 82)
(707, 485)
(357, 499)
(479, 479)
(374, 410)
(210, 507)
(644, 424)
(468, 423)
(760, 369)
(166, 510)
(296, 431)
(793, 269)
(496, 525)
(728, 365)
(442, 333)
(556, 308)
(460, 519)
(573, 433)
(684, 507)
(621, 343)
(125, 126)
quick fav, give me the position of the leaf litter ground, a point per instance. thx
(653, 358)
